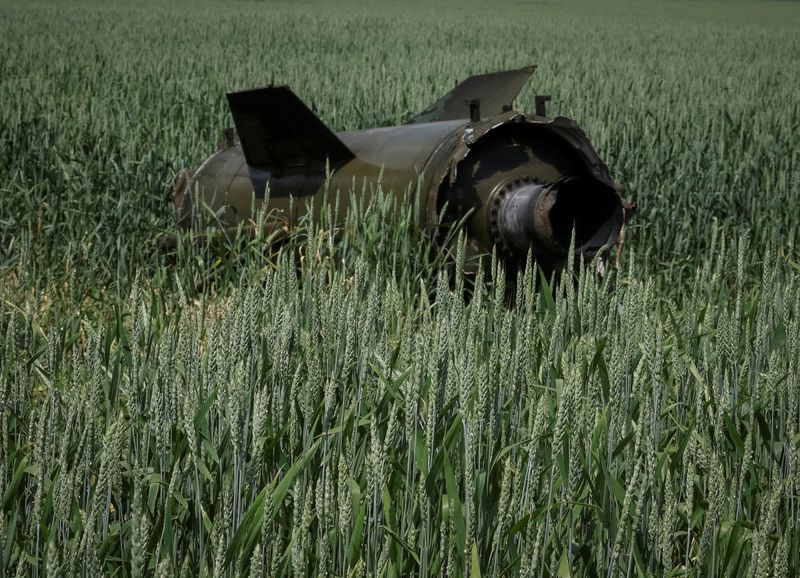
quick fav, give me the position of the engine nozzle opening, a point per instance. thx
(543, 217)
(590, 207)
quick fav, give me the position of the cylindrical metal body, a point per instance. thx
(497, 172)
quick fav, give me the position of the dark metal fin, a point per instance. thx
(277, 130)
(496, 92)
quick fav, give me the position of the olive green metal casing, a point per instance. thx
(469, 152)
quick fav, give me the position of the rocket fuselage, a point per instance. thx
(520, 182)
(397, 156)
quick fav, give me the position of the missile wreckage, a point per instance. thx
(518, 182)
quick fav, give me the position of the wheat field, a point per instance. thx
(351, 403)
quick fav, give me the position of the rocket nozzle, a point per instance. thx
(543, 217)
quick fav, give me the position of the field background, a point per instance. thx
(350, 413)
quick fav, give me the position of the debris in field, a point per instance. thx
(518, 181)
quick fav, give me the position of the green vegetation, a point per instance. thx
(342, 408)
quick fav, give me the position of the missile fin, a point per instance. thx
(495, 92)
(278, 131)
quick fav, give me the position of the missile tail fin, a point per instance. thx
(278, 131)
(495, 91)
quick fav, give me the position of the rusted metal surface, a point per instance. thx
(524, 180)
